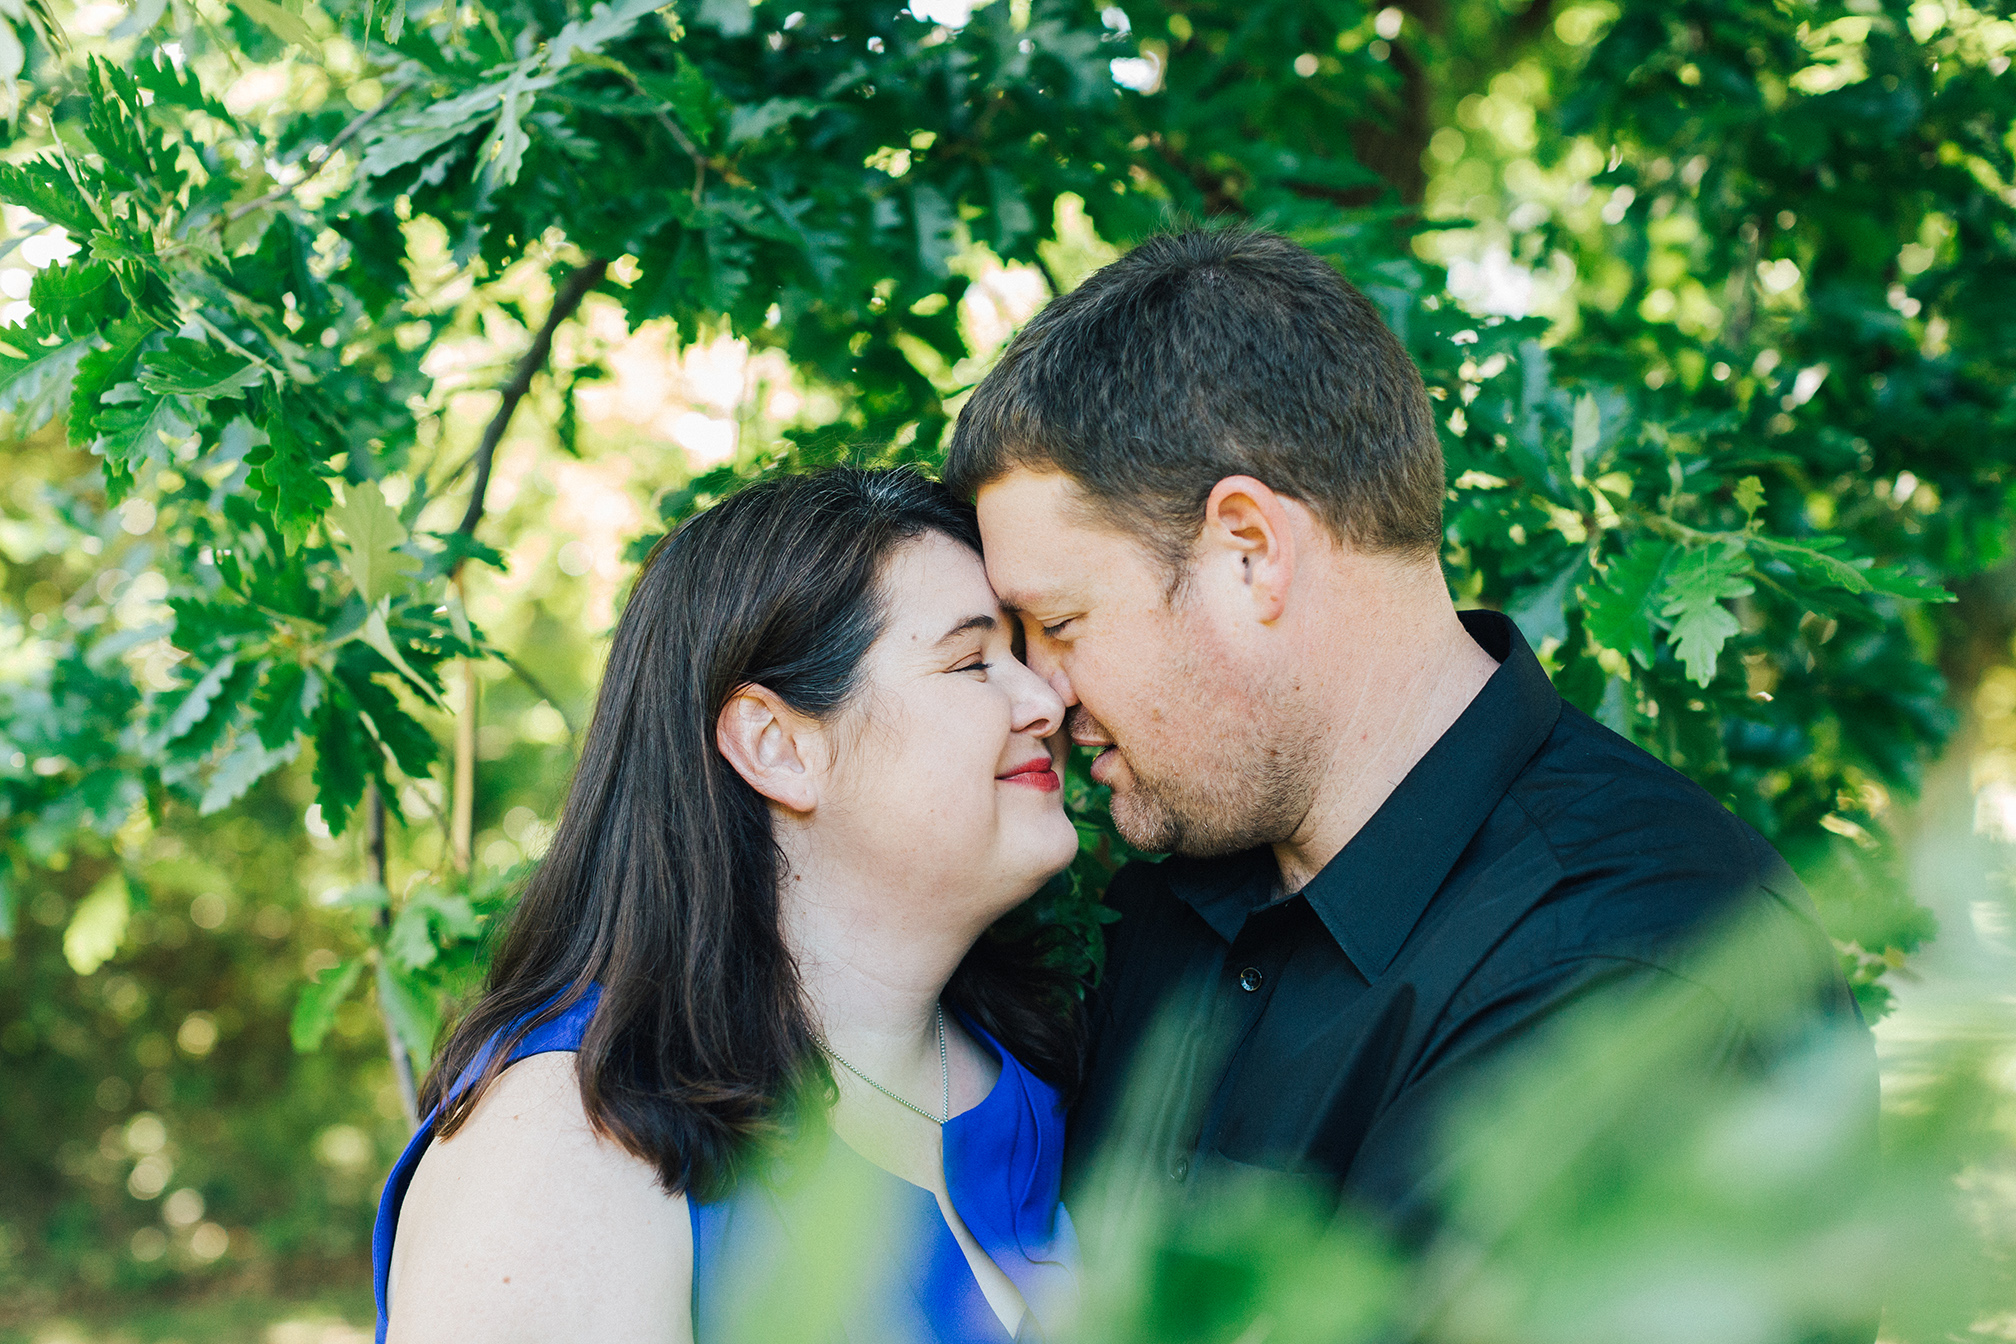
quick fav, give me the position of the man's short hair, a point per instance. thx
(1209, 354)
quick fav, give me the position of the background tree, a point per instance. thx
(1718, 352)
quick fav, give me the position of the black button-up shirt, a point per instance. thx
(1532, 858)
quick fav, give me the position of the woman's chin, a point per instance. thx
(1052, 853)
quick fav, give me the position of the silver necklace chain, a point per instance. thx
(944, 1069)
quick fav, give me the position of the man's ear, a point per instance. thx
(764, 740)
(1247, 521)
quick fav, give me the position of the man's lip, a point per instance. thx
(1100, 760)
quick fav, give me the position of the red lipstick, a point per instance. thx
(1036, 774)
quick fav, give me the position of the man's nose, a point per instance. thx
(1046, 665)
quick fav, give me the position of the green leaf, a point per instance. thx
(34, 382)
(1697, 583)
(369, 897)
(192, 369)
(174, 86)
(1617, 612)
(102, 369)
(99, 925)
(503, 151)
(371, 533)
(410, 942)
(692, 98)
(287, 475)
(204, 627)
(755, 122)
(193, 707)
(112, 245)
(456, 548)
(395, 149)
(286, 26)
(1816, 567)
(412, 1012)
(340, 764)
(43, 186)
(429, 922)
(454, 917)
(186, 751)
(80, 293)
(410, 744)
(1540, 611)
(1588, 434)
(1750, 496)
(604, 24)
(134, 427)
(937, 230)
(285, 703)
(315, 1010)
(248, 762)
(379, 638)
(1013, 219)
(1899, 582)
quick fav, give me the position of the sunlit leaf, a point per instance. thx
(283, 24)
(193, 369)
(1697, 583)
(412, 1011)
(371, 533)
(1617, 611)
(98, 926)
(1749, 495)
(315, 1009)
(250, 761)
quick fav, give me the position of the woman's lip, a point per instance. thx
(1036, 774)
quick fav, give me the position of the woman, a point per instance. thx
(746, 1067)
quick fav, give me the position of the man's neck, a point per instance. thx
(1405, 688)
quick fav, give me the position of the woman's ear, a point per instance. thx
(766, 743)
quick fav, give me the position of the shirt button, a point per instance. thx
(1250, 978)
(1179, 1169)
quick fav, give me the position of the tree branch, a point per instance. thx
(566, 299)
(319, 159)
(374, 871)
(538, 688)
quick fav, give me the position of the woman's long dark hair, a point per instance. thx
(661, 882)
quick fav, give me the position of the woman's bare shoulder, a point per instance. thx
(527, 1225)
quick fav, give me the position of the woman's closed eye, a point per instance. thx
(975, 666)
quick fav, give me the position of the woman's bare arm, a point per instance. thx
(528, 1226)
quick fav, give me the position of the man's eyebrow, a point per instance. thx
(1022, 603)
(977, 621)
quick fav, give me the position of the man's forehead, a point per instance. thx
(1038, 546)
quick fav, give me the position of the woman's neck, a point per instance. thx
(871, 977)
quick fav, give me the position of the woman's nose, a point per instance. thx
(1038, 707)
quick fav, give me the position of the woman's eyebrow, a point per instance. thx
(977, 621)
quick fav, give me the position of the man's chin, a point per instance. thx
(1145, 825)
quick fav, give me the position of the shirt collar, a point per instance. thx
(1373, 893)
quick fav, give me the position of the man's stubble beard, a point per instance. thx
(1258, 794)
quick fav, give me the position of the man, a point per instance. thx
(1211, 489)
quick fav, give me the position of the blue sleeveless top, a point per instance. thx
(909, 1281)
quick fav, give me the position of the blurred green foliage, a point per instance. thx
(1615, 1184)
(1714, 299)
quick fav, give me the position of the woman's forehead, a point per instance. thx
(933, 585)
